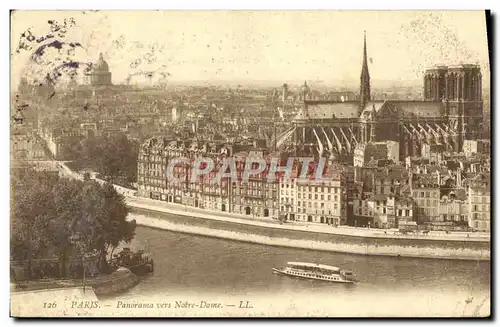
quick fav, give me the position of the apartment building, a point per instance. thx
(479, 202)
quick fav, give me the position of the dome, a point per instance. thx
(305, 89)
(101, 65)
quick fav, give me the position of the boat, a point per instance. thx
(316, 271)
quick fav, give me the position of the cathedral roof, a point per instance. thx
(372, 107)
(327, 110)
(423, 109)
(402, 108)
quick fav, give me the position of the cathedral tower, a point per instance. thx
(364, 90)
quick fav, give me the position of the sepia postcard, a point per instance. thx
(250, 164)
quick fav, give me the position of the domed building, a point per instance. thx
(305, 92)
(100, 74)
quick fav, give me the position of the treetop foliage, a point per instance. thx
(48, 214)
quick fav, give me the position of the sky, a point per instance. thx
(281, 46)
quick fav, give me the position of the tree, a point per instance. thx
(48, 213)
(68, 198)
(114, 156)
(115, 227)
(32, 208)
(71, 149)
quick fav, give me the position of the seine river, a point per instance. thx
(196, 265)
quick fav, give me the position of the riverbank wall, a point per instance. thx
(217, 225)
(418, 248)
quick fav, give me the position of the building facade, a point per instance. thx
(321, 202)
(474, 147)
(479, 203)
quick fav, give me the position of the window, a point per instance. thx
(329, 197)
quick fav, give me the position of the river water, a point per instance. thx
(190, 265)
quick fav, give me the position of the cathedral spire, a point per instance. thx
(364, 90)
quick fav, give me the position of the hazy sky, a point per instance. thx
(263, 45)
